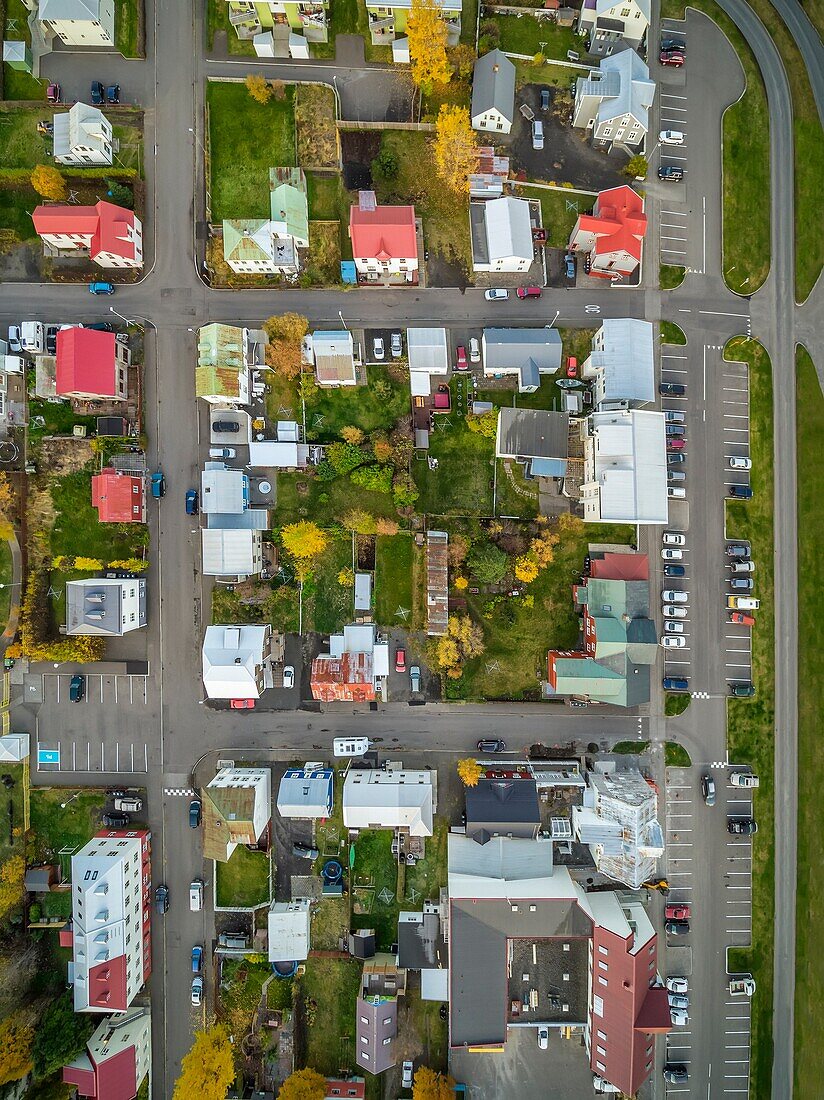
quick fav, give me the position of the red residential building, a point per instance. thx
(354, 1088)
(347, 678)
(116, 1058)
(613, 233)
(91, 364)
(384, 242)
(111, 235)
(119, 498)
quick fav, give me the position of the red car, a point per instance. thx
(677, 912)
(675, 444)
(54, 93)
(461, 363)
(572, 367)
(242, 704)
(400, 660)
(671, 58)
(742, 619)
(528, 292)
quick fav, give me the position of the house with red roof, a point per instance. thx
(91, 364)
(118, 497)
(108, 234)
(354, 1087)
(116, 1059)
(613, 233)
(384, 241)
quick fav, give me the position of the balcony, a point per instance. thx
(382, 28)
(245, 17)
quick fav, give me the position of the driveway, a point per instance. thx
(559, 1073)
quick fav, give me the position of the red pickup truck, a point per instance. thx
(678, 912)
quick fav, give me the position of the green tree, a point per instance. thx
(376, 478)
(344, 457)
(486, 424)
(487, 562)
(208, 1069)
(119, 194)
(61, 1034)
(637, 167)
(386, 164)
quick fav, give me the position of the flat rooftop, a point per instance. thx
(556, 970)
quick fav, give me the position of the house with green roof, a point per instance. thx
(224, 355)
(289, 204)
(254, 246)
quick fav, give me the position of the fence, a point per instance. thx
(423, 127)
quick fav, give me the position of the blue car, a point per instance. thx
(158, 485)
(197, 959)
(97, 93)
(569, 265)
(101, 288)
(674, 571)
(191, 502)
(676, 683)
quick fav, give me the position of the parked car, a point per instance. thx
(676, 683)
(14, 339)
(158, 485)
(474, 351)
(671, 389)
(492, 745)
(674, 416)
(669, 595)
(396, 345)
(572, 367)
(670, 553)
(528, 292)
(406, 1075)
(708, 789)
(162, 900)
(671, 137)
(350, 746)
(543, 1037)
(496, 295)
(195, 812)
(400, 659)
(742, 584)
(675, 1073)
(743, 690)
(670, 611)
(744, 779)
(99, 326)
(378, 351)
(197, 992)
(743, 565)
(673, 641)
(676, 459)
(743, 603)
(97, 93)
(738, 549)
(678, 1000)
(544, 99)
(191, 502)
(415, 678)
(742, 826)
(674, 571)
(116, 821)
(537, 134)
(197, 959)
(677, 911)
(460, 358)
(671, 57)
(673, 626)
(676, 430)
(304, 851)
(54, 93)
(129, 804)
(196, 895)
(225, 426)
(677, 927)
(673, 44)
(289, 676)
(674, 538)
(677, 984)
(676, 444)
(679, 1016)
(113, 94)
(222, 452)
(241, 704)
(77, 689)
(740, 463)
(569, 265)
(740, 619)
(100, 286)
(671, 173)
(741, 492)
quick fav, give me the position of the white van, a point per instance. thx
(350, 746)
(130, 805)
(196, 895)
(743, 779)
(677, 494)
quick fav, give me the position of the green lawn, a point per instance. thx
(670, 276)
(58, 419)
(217, 19)
(672, 333)
(676, 756)
(304, 497)
(809, 967)
(244, 880)
(675, 704)
(16, 84)
(462, 483)
(525, 34)
(16, 206)
(125, 27)
(328, 199)
(559, 76)
(559, 211)
(327, 605)
(328, 991)
(365, 407)
(514, 495)
(130, 154)
(630, 748)
(746, 148)
(77, 530)
(394, 559)
(246, 139)
(751, 722)
(280, 607)
(54, 828)
(20, 144)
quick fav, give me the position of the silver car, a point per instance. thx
(396, 345)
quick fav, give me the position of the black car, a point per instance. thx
(672, 173)
(492, 745)
(116, 821)
(51, 341)
(743, 826)
(677, 927)
(544, 99)
(195, 810)
(100, 326)
(671, 389)
(97, 92)
(669, 44)
(77, 689)
(225, 426)
(675, 1073)
(676, 459)
(113, 93)
(738, 549)
(674, 571)
(743, 690)
(162, 899)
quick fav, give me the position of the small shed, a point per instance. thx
(362, 943)
(39, 880)
(264, 44)
(363, 591)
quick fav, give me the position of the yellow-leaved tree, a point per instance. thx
(456, 155)
(462, 641)
(11, 884)
(304, 540)
(48, 182)
(303, 1084)
(469, 771)
(259, 87)
(427, 45)
(16, 1038)
(208, 1069)
(286, 333)
(430, 1085)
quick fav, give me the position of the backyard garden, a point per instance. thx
(244, 880)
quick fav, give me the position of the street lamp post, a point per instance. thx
(133, 320)
(63, 805)
(340, 314)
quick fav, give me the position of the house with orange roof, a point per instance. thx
(384, 241)
(613, 233)
(119, 497)
(109, 235)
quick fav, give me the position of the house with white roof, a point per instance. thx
(83, 136)
(625, 467)
(501, 232)
(493, 93)
(231, 552)
(77, 22)
(428, 355)
(390, 798)
(613, 102)
(614, 24)
(525, 352)
(621, 365)
(288, 931)
(223, 490)
(284, 452)
(306, 793)
(235, 661)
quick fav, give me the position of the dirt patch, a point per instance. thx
(443, 271)
(323, 262)
(21, 263)
(315, 127)
(358, 150)
(64, 455)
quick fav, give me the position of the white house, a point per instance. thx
(231, 552)
(224, 355)
(106, 606)
(613, 102)
(390, 799)
(83, 136)
(237, 808)
(288, 928)
(612, 24)
(621, 365)
(501, 231)
(306, 793)
(625, 467)
(235, 661)
(493, 93)
(428, 356)
(251, 246)
(78, 22)
(527, 353)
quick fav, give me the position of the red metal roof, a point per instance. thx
(107, 985)
(338, 1088)
(111, 234)
(385, 233)
(66, 936)
(84, 1079)
(618, 223)
(621, 567)
(116, 1076)
(347, 678)
(65, 219)
(118, 498)
(86, 362)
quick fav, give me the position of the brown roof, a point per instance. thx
(348, 677)
(228, 814)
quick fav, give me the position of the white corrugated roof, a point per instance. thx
(626, 360)
(230, 657)
(508, 229)
(631, 466)
(428, 351)
(228, 553)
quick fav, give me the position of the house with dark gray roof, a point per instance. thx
(537, 439)
(525, 352)
(421, 941)
(502, 807)
(493, 93)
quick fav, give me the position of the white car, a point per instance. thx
(671, 626)
(677, 985)
(740, 463)
(743, 779)
(671, 612)
(289, 676)
(406, 1076)
(676, 494)
(679, 1017)
(673, 641)
(669, 595)
(396, 345)
(496, 295)
(378, 350)
(668, 554)
(197, 991)
(474, 351)
(671, 137)
(14, 339)
(673, 538)
(543, 1037)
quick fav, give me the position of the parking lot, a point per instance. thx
(122, 690)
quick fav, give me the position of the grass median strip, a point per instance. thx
(809, 969)
(751, 722)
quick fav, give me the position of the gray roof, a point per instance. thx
(223, 490)
(493, 85)
(628, 87)
(79, 10)
(505, 348)
(531, 433)
(496, 806)
(95, 606)
(428, 350)
(421, 943)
